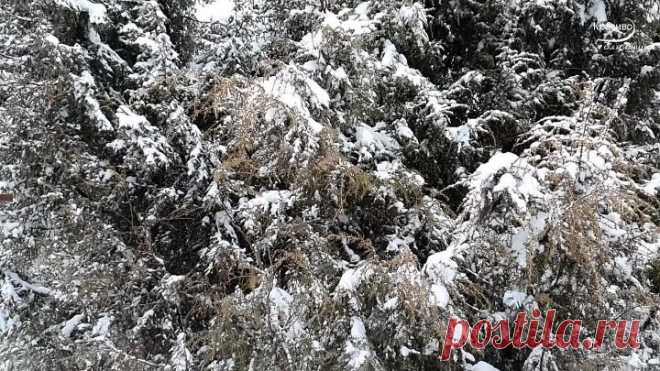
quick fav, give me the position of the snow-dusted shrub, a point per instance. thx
(321, 185)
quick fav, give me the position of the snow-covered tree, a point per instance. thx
(305, 185)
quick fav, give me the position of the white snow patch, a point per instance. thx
(385, 169)
(280, 302)
(405, 351)
(483, 366)
(216, 11)
(396, 61)
(412, 14)
(521, 239)
(623, 267)
(142, 321)
(439, 295)
(519, 247)
(460, 135)
(13, 229)
(440, 267)
(646, 70)
(634, 362)
(403, 131)
(412, 75)
(181, 359)
(358, 331)
(102, 327)
(7, 322)
(596, 160)
(352, 278)
(172, 279)
(356, 23)
(139, 130)
(83, 90)
(28, 286)
(52, 40)
(357, 347)
(529, 186)
(339, 73)
(390, 56)
(391, 304)
(395, 244)
(370, 141)
(271, 201)
(10, 299)
(515, 299)
(97, 12)
(652, 187)
(357, 356)
(71, 325)
(286, 87)
(597, 11)
(486, 171)
(319, 96)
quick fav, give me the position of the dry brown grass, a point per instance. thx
(580, 231)
(356, 185)
(239, 162)
(245, 102)
(261, 132)
(576, 253)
